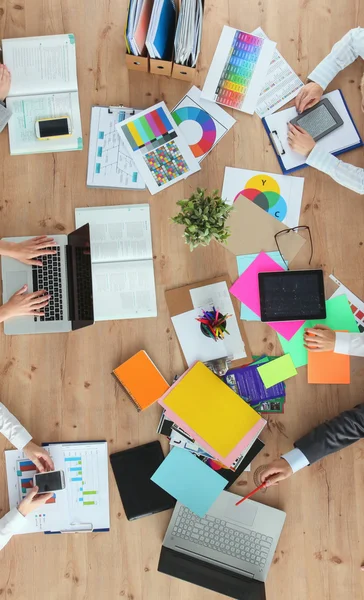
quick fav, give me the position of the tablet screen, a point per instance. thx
(292, 295)
(317, 122)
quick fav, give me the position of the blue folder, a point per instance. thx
(337, 153)
(164, 36)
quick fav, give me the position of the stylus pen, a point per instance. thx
(261, 487)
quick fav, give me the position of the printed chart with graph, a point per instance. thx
(81, 473)
(25, 471)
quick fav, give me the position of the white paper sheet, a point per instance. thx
(343, 137)
(255, 81)
(162, 157)
(218, 295)
(279, 195)
(202, 123)
(109, 162)
(281, 84)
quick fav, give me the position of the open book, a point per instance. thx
(43, 85)
(122, 261)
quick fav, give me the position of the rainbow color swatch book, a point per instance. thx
(212, 414)
(238, 70)
(161, 154)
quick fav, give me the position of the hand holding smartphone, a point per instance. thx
(50, 481)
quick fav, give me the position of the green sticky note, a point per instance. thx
(277, 370)
(339, 317)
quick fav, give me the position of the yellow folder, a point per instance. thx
(211, 409)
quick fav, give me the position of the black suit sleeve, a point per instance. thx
(334, 435)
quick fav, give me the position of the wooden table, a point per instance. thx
(60, 386)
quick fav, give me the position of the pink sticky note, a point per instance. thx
(246, 289)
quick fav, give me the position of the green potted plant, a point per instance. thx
(203, 216)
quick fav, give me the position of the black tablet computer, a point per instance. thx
(319, 120)
(292, 295)
(133, 469)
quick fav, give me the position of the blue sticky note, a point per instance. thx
(244, 261)
(189, 480)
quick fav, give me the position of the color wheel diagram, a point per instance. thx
(198, 127)
(264, 191)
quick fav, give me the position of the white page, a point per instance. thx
(28, 109)
(343, 137)
(279, 195)
(219, 124)
(41, 65)
(109, 162)
(87, 487)
(117, 232)
(124, 290)
(217, 295)
(281, 84)
(221, 59)
(177, 162)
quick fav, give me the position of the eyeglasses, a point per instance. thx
(299, 229)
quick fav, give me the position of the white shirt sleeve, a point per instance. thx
(347, 175)
(296, 459)
(11, 523)
(343, 53)
(349, 343)
(12, 429)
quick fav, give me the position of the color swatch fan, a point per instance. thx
(202, 123)
(238, 70)
(160, 153)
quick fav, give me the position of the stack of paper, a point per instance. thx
(212, 414)
(187, 42)
(162, 29)
(248, 384)
(137, 26)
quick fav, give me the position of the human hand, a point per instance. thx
(320, 339)
(5, 82)
(278, 470)
(32, 501)
(27, 251)
(308, 96)
(299, 140)
(39, 456)
(21, 304)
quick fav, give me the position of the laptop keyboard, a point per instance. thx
(223, 537)
(49, 278)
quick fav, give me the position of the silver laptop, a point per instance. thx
(65, 275)
(237, 539)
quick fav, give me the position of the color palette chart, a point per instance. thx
(161, 154)
(149, 131)
(239, 68)
(192, 113)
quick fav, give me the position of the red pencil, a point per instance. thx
(261, 487)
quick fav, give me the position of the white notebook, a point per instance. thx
(43, 85)
(122, 261)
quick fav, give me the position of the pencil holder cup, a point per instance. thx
(203, 330)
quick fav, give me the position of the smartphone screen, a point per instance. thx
(53, 127)
(48, 482)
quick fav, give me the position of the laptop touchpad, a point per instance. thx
(15, 281)
(243, 514)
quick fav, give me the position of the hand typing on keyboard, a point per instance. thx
(22, 303)
(28, 250)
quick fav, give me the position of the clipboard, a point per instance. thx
(179, 301)
(82, 527)
(278, 144)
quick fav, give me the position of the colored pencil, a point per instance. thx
(261, 487)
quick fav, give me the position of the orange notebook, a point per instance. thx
(328, 367)
(141, 379)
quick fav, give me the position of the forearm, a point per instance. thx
(7, 248)
(11, 523)
(347, 175)
(349, 343)
(12, 429)
(334, 435)
(343, 53)
(5, 114)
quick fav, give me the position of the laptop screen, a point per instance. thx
(79, 275)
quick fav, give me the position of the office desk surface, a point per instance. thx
(60, 386)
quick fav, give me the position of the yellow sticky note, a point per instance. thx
(277, 370)
(211, 409)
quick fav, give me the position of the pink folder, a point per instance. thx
(246, 289)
